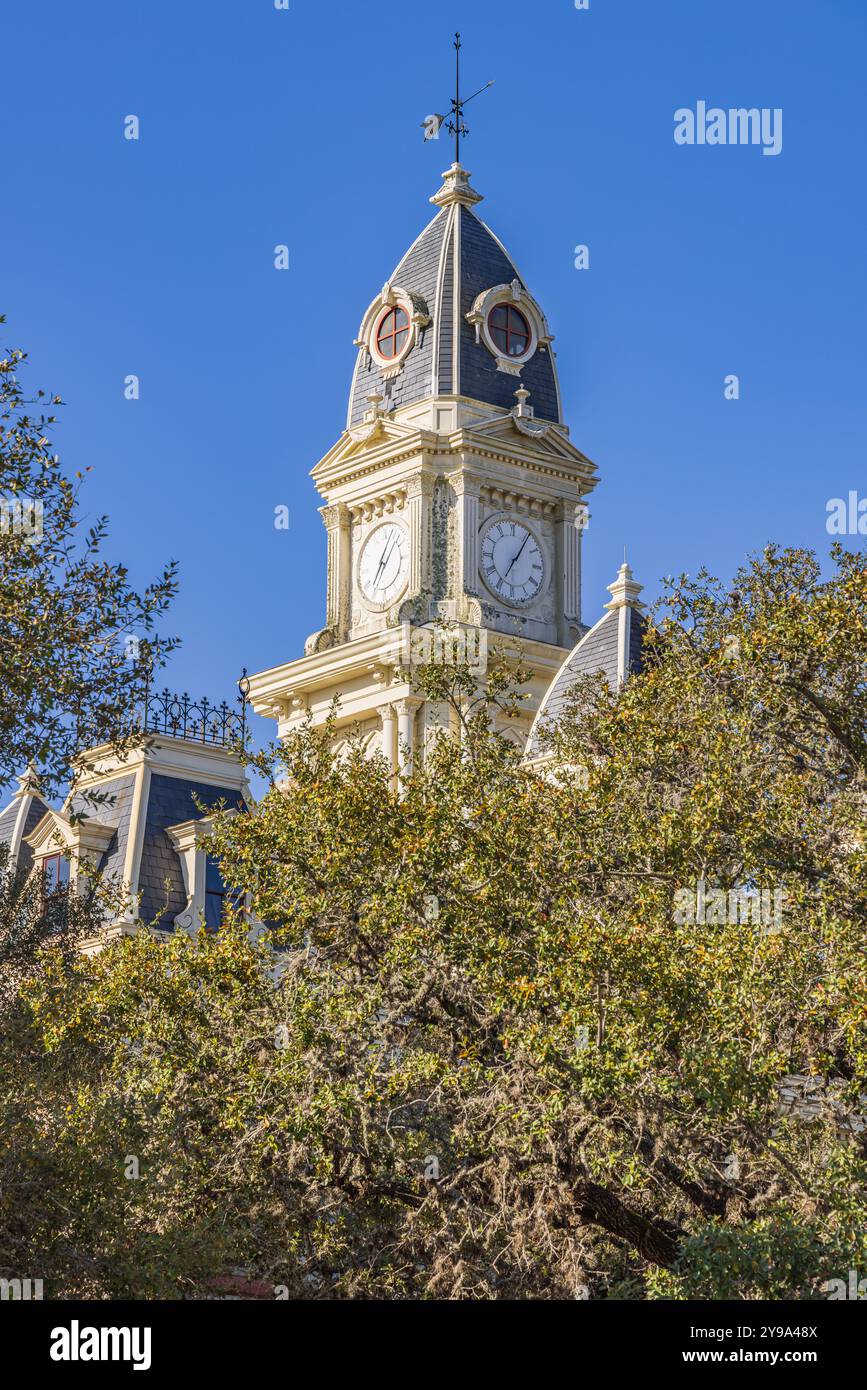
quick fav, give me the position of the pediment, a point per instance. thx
(539, 437)
(53, 831)
(375, 439)
(56, 831)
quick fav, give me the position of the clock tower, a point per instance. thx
(454, 493)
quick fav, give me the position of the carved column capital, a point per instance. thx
(336, 514)
(337, 523)
(466, 484)
(421, 485)
(407, 707)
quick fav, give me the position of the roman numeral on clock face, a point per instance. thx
(512, 563)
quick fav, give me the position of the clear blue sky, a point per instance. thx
(302, 127)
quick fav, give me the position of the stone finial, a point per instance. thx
(624, 601)
(456, 189)
(374, 410)
(522, 410)
(28, 782)
(625, 589)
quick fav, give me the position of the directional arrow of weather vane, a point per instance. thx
(454, 122)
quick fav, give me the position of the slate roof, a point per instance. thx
(597, 651)
(116, 811)
(172, 800)
(456, 244)
(36, 809)
(8, 817)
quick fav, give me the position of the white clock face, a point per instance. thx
(512, 563)
(384, 564)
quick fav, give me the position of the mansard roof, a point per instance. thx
(20, 818)
(442, 279)
(612, 647)
(122, 809)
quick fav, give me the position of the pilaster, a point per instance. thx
(419, 494)
(337, 524)
(467, 489)
(567, 544)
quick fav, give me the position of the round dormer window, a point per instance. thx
(509, 330)
(510, 324)
(392, 332)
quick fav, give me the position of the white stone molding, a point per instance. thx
(524, 419)
(456, 304)
(82, 842)
(406, 712)
(498, 499)
(28, 788)
(186, 839)
(418, 318)
(467, 489)
(135, 837)
(567, 540)
(380, 504)
(515, 294)
(337, 525)
(448, 234)
(388, 719)
(456, 189)
(624, 600)
(419, 492)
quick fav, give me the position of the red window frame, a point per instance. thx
(62, 872)
(395, 314)
(509, 330)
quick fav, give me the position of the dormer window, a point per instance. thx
(55, 873)
(391, 328)
(392, 333)
(54, 876)
(208, 898)
(510, 324)
(509, 330)
(218, 898)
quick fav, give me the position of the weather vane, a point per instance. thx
(454, 122)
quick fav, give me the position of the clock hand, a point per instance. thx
(386, 554)
(518, 556)
(379, 569)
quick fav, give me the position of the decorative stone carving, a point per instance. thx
(514, 293)
(456, 189)
(320, 641)
(418, 316)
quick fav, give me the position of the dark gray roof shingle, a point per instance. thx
(172, 801)
(596, 652)
(483, 265)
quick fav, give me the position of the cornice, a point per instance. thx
(282, 691)
(565, 463)
(85, 835)
(172, 757)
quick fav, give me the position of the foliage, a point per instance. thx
(66, 677)
(480, 1052)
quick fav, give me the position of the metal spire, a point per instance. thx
(455, 122)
